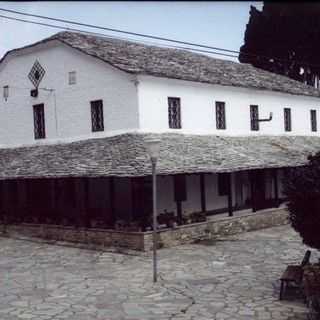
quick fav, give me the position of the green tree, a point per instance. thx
(302, 189)
(284, 38)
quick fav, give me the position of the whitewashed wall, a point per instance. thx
(214, 201)
(128, 106)
(166, 201)
(95, 80)
(165, 194)
(198, 108)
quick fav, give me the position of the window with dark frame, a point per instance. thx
(287, 119)
(313, 116)
(72, 77)
(220, 115)
(174, 113)
(39, 121)
(97, 115)
(254, 117)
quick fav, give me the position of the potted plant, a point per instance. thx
(167, 218)
(198, 217)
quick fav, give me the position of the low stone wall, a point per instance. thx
(91, 237)
(218, 228)
(142, 241)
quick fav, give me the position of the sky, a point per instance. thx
(218, 24)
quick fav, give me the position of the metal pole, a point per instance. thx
(154, 202)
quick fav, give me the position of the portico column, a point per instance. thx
(85, 208)
(276, 186)
(180, 193)
(230, 208)
(111, 197)
(203, 192)
(252, 184)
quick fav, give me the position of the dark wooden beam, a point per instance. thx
(180, 193)
(179, 211)
(112, 202)
(76, 203)
(252, 184)
(86, 211)
(230, 208)
(276, 186)
(133, 198)
(1, 197)
(203, 192)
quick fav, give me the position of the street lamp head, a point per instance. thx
(153, 147)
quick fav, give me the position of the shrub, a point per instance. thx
(302, 189)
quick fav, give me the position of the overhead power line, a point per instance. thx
(101, 34)
(305, 64)
(119, 31)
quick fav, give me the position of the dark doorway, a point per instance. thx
(258, 190)
(142, 201)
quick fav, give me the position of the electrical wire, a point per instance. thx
(301, 63)
(117, 30)
(156, 38)
(101, 34)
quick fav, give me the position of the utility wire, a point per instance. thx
(157, 38)
(141, 35)
(101, 34)
(119, 31)
(48, 25)
(131, 33)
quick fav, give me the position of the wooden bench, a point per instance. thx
(293, 274)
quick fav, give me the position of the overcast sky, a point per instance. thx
(218, 24)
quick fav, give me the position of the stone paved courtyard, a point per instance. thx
(234, 278)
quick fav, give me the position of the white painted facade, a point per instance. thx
(198, 108)
(67, 108)
(130, 103)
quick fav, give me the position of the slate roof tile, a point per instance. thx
(138, 58)
(125, 155)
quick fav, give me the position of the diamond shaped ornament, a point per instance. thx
(36, 74)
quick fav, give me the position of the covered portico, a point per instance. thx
(104, 182)
(102, 201)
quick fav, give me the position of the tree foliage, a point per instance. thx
(284, 38)
(302, 189)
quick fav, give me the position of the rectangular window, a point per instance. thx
(6, 92)
(97, 115)
(313, 114)
(72, 77)
(39, 123)
(287, 119)
(254, 117)
(220, 115)
(174, 113)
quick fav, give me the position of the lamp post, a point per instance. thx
(153, 148)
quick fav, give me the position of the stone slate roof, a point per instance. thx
(157, 61)
(125, 155)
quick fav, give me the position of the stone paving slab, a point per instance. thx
(233, 278)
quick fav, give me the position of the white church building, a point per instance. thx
(76, 111)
